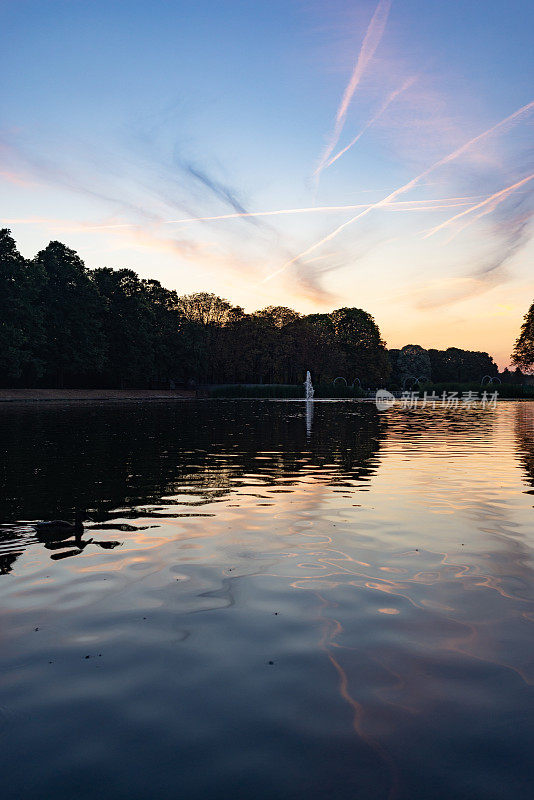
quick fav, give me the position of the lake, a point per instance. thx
(267, 603)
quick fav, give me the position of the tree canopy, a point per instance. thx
(523, 354)
(455, 364)
(63, 324)
(73, 342)
(412, 361)
(21, 314)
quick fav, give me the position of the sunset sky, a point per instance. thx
(364, 153)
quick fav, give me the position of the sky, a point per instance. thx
(302, 153)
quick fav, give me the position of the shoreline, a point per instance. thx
(92, 395)
(79, 396)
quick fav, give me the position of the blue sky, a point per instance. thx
(124, 124)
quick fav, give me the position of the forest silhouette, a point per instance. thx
(64, 325)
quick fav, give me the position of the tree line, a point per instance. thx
(453, 365)
(64, 325)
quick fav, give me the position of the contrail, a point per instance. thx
(406, 85)
(407, 186)
(494, 199)
(408, 205)
(469, 222)
(369, 45)
(277, 212)
(488, 210)
(401, 205)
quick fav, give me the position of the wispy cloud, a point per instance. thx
(220, 190)
(18, 180)
(491, 268)
(111, 181)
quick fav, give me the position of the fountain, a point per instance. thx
(309, 418)
(308, 386)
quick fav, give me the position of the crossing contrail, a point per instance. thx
(370, 43)
(487, 210)
(391, 97)
(494, 200)
(407, 186)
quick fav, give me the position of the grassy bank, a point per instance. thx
(504, 390)
(90, 395)
(281, 390)
(328, 391)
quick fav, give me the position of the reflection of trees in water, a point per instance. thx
(122, 457)
(15, 540)
(8, 559)
(524, 430)
(100, 458)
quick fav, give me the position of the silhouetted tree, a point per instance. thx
(413, 361)
(328, 359)
(358, 335)
(21, 317)
(461, 366)
(62, 323)
(128, 324)
(518, 376)
(204, 308)
(167, 334)
(73, 340)
(523, 354)
(280, 316)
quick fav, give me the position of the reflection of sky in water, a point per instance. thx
(337, 606)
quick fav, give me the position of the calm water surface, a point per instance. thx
(266, 605)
